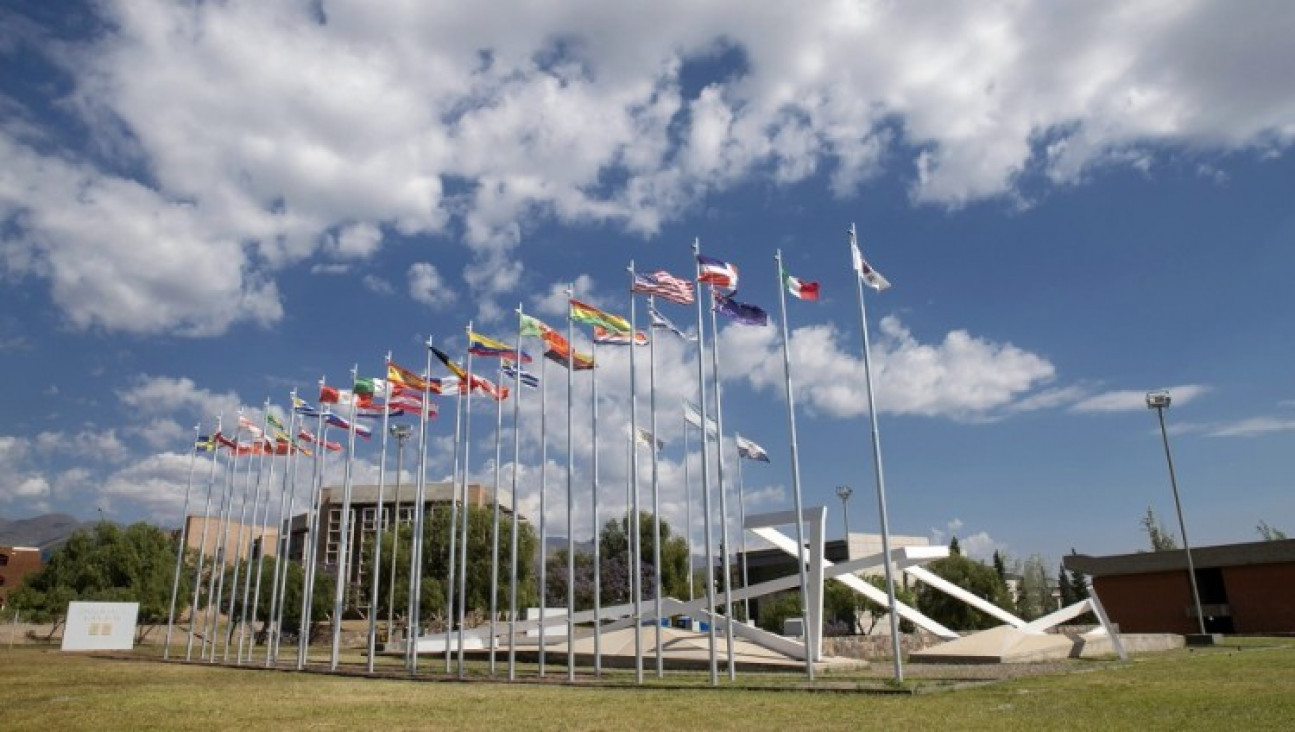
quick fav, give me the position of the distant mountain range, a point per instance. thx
(43, 532)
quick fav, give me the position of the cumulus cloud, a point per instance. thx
(154, 395)
(961, 377)
(268, 152)
(427, 286)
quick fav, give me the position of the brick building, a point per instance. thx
(1244, 588)
(16, 562)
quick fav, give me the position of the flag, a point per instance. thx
(302, 407)
(750, 450)
(661, 321)
(274, 421)
(871, 277)
(333, 395)
(205, 443)
(454, 368)
(250, 426)
(404, 377)
(692, 415)
(604, 337)
(370, 387)
(590, 315)
(373, 410)
(800, 288)
(226, 442)
(529, 380)
(739, 311)
(529, 326)
(338, 421)
(556, 349)
(309, 436)
(664, 285)
(410, 402)
(643, 437)
(715, 272)
(479, 345)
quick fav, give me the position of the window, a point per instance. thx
(4, 560)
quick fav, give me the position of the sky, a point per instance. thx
(206, 205)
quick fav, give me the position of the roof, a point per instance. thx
(1204, 557)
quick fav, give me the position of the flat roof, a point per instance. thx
(1204, 557)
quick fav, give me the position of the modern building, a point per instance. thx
(244, 541)
(16, 562)
(1244, 588)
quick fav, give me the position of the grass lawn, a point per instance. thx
(1246, 684)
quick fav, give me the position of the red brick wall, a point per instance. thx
(1148, 603)
(1262, 597)
(20, 564)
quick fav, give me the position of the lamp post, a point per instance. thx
(401, 432)
(844, 492)
(1159, 401)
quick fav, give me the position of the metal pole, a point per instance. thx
(179, 552)
(378, 526)
(544, 536)
(635, 535)
(725, 555)
(705, 474)
(512, 562)
(844, 492)
(202, 550)
(593, 447)
(571, 502)
(463, 527)
(1182, 525)
(494, 519)
(687, 487)
(656, 496)
(401, 433)
(344, 549)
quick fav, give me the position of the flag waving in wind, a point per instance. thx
(871, 277)
(643, 437)
(740, 311)
(663, 285)
(692, 415)
(749, 450)
(400, 375)
(800, 288)
(604, 337)
(716, 272)
(661, 321)
(590, 315)
(480, 345)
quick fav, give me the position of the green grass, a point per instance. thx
(1246, 684)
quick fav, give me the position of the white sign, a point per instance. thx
(100, 626)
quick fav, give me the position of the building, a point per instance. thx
(1244, 588)
(16, 562)
(244, 540)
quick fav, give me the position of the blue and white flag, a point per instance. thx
(529, 380)
(661, 321)
(692, 415)
(749, 450)
(341, 423)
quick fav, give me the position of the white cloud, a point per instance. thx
(427, 286)
(164, 395)
(377, 285)
(1129, 400)
(962, 376)
(268, 152)
(1253, 426)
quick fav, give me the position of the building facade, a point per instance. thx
(16, 562)
(1244, 588)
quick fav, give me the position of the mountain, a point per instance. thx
(43, 532)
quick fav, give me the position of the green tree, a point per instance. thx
(1034, 596)
(955, 549)
(111, 564)
(1268, 533)
(321, 606)
(1162, 539)
(970, 575)
(876, 611)
(614, 565)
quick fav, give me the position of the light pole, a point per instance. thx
(844, 492)
(401, 432)
(1159, 401)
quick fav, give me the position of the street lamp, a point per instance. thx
(401, 432)
(1159, 401)
(844, 492)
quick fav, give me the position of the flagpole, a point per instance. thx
(741, 519)
(512, 562)
(216, 583)
(571, 504)
(344, 549)
(184, 535)
(880, 478)
(310, 549)
(656, 493)
(687, 487)
(283, 536)
(635, 543)
(401, 436)
(260, 555)
(809, 633)
(454, 523)
(238, 551)
(727, 549)
(494, 520)
(202, 548)
(379, 523)
(414, 622)
(598, 621)
(544, 537)
(463, 538)
(705, 477)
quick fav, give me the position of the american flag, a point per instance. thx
(665, 286)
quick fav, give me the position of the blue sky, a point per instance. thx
(204, 205)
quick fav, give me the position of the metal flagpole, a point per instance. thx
(544, 537)
(723, 494)
(287, 504)
(635, 536)
(238, 551)
(741, 521)
(512, 545)
(593, 447)
(687, 487)
(202, 549)
(179, 552)
(810, 648)
(494, 519)
(656, 497)
(344, 549)
(414, 624)
(310, 549)
(571, 503)
(463, 538)
(454, 524)
(876, 462)
(260, 554)
(378, 523)
(401, 436)
(705, 477)
(216, 588)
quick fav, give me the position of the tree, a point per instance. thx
(970, 575)
(107, 563)
(321, 606)
(614, 566)
(1268, 533)
(955, 549)
(1000, 566)
(1034, 596)
(1161, 538)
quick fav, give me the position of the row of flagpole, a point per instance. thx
(720, 277)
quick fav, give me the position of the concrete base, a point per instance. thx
(1203, 639)
(1006, 644)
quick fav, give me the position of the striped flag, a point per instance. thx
(590, 315)
(339, 422)
(479, 345)
(529, 380)
(661, 321)
(664, 285)
(604, 337)
(800, 288)
(716, 272)
(403, 376)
